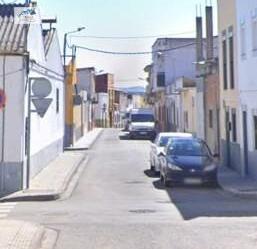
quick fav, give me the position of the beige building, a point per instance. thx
(229, 94)
(180, 104)
(188, 96)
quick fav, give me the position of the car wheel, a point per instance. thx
(161, 177)
(152, 168)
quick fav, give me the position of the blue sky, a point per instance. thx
(122, 18)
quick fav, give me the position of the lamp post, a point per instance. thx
(65, 44)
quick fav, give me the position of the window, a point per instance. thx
(224, 51)
(186, 120)
(210, 118)
(254, 34)
(234, 126)
(57, 100)
(255, 130)
(243, 41)
(161, 79)
(231, 61)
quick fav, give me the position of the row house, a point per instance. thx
(238, 86)
(180, 105)
(246, 50)
(172, 59)
(229, 85)
(184, 83)
(105, 95)
(32, 102)
(207, 83)
(86, 88)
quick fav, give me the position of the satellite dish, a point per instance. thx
(41, 88)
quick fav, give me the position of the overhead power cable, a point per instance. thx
(131, 37)
(133, 53)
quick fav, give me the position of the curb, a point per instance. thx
(237, 193)
(89, 146)
(22, 197)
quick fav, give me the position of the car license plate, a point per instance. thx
(192, 181)
(143, 133)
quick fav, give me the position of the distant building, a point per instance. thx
(172, 59)
(104, 88)
(86, 85)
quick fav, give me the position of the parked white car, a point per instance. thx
(157, 147)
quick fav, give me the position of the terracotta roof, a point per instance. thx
(12, 36)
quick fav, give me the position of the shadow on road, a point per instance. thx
(151, 173)
(197, 201)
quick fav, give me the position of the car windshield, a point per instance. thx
(142, 118)
(163, 141)
(187, 147)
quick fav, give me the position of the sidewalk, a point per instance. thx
(230, 181)
(52, 181)
(24, 235)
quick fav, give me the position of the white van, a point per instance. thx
(142, 124)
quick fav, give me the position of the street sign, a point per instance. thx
(2, 99)
(42, 105)
(41, 88)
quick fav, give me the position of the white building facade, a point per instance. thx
(247, 83)
(31, 132)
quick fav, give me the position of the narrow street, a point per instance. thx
(119, 204)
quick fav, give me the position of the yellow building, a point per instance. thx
(188, 96)
(74, 107)
(229, 94)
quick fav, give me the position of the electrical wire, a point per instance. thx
(131, 37)
(133, 53)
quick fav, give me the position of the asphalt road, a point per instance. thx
(119, 204)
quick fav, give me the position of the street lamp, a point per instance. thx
(65, 43)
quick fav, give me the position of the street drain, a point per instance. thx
(142, 211)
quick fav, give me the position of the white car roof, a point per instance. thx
(175, 134)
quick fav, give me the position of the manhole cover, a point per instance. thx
(142, 211)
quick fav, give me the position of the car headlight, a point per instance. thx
(210, 167)
(174, 167)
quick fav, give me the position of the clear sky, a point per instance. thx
(122, 18)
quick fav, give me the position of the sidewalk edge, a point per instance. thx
(20, 196)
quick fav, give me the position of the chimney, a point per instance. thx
(209, 32)
(199, 39)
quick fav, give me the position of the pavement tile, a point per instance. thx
(231, 182)
(19, 234)
(53, 180)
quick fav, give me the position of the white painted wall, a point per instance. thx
(247, 74)
(12, 118)
(175, 63)
(103, 98)
(35, 43)
(49, 129)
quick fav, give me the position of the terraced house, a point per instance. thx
(32, 83)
